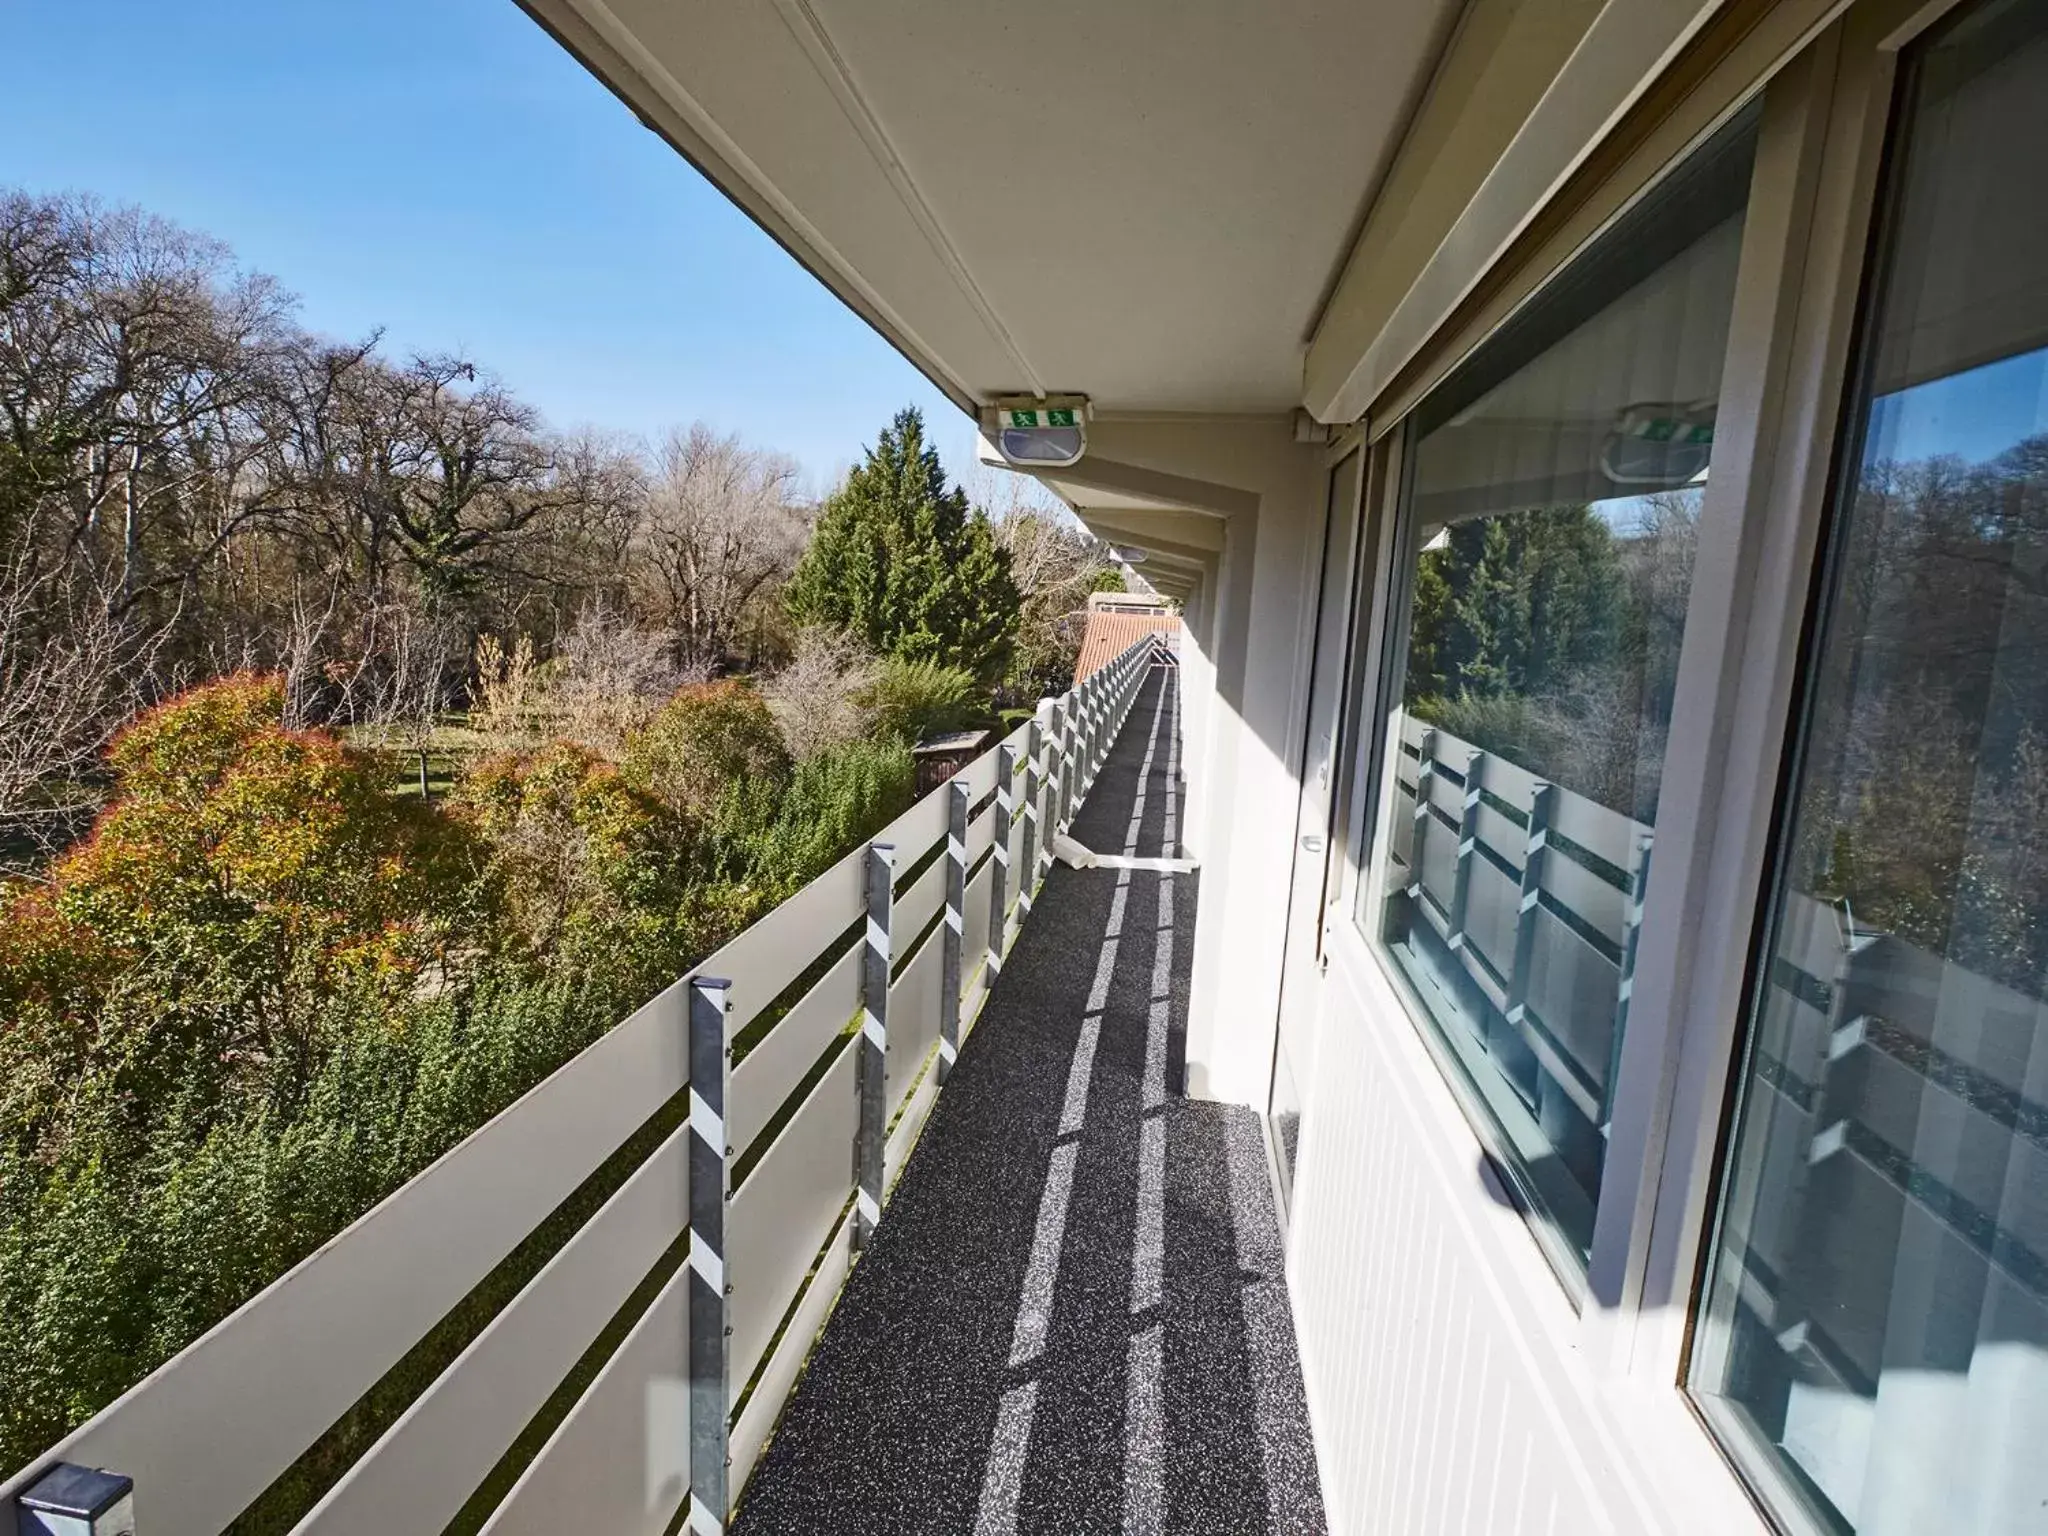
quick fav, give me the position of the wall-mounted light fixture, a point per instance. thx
(1040, 432)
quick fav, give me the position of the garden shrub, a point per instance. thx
(915, 699)
(706, 738)
(268, 989)
(835, 799)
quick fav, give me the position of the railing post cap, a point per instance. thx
(66, 1495)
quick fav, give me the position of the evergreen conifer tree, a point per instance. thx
(900, 560)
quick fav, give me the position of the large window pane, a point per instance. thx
(1875, 1332)
(1553, 495)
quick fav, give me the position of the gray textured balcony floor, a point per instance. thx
(935, 1400)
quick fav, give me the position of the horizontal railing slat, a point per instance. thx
(918, 906)
(758, 1418)
(896, 1152)
(1445, 795)
(770, 1072)
(914, 832)
(207, 1432)
(981, 833)
(1595, 902)
(1507, 779)
(1593, 826)
(619, 1464)
(417, 1477)
(975, 906)
(1501, 835)
(781, 1214)
(1573, 989)
(979, 776)
(914, 1018)
(764, 959)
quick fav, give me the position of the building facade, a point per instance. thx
(1598, 451)
(1597, 448)
(1600, 455)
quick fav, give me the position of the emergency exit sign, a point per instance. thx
(1048, 416)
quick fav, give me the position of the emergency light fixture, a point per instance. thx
(1041, 432)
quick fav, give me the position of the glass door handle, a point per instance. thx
(1312, 842)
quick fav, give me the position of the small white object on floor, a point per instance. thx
(1071, 851)
(1079, 855)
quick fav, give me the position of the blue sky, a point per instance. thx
(1975, 415)
(442, 169)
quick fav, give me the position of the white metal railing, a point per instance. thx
(1535, 894)
(908, 961)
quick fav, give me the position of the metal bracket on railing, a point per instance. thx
(999, 876)
(1063, 799)
(710, 1294)
(1535, 849)
(873, 1063)
(957, 807)
(1468, 848)
(1027, 877)
(1091, 738)
(1425, 773)
(1631, 936)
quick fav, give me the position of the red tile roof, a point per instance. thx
(1112, 631)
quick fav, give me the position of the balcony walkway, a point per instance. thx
(1072, 1318)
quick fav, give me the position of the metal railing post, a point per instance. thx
(1468, 847)
(1631, 935)
(956, 923)
(1534, 850)
(1092, 756)
(1424, 774)
(1064, 806)
(1048, 793)
(873, 1067)
(1027, 877)
(999, 876)
(710, 1296)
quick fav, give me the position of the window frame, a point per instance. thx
(1871, 93)
(1827, 75)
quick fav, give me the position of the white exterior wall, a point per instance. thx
(1240, 932)
(1448, 1383)
(1197, 686)
(1247, 703)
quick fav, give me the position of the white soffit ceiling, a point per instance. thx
(1142, 200)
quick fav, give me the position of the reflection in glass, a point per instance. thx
(1553, 497)
(1875, 1328)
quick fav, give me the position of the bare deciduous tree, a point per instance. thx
(71, 673)
(611, 677)
(411, 683)
(720, 527)
(510, 692)
(1055, 564)
(816, 698)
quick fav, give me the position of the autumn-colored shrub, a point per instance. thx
(241, 874)
(706, 739)
(269, 988)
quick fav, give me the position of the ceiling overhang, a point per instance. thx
(1145, 202)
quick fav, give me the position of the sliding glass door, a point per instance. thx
(1874, 1334)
